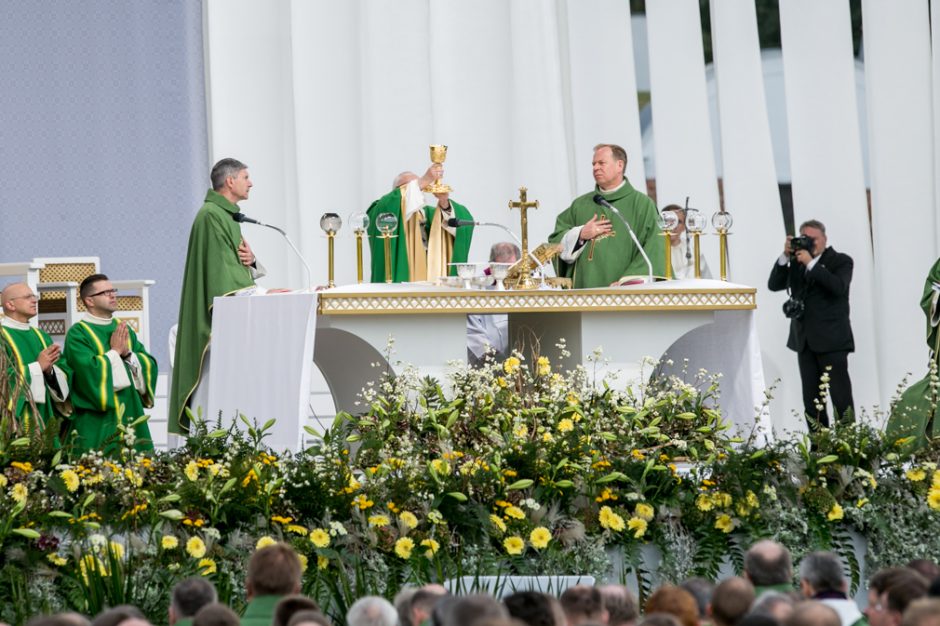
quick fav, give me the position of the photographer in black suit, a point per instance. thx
(817, 278)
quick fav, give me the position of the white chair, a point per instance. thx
(60, 306)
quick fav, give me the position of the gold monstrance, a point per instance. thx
(438, 155)
(524, 205)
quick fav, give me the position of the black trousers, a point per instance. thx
(812, 366)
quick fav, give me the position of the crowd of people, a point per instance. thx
(767, 594)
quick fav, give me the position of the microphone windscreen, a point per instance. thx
(598, 198)
(453, 222)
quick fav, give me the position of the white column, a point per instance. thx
(603, 86)
(825, 158)
(750, 191)
(898, 87)
(685, 162)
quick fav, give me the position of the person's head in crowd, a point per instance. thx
(620, 604)
(59, 619)
(422, 603)
(701, 590)
(675, 601)
(216, 614)
(402, 604)
(504, 252)
(890, 591)
(534, 608)
(471, 610)
(99, 296)
(813, 613)
(117, 615)
(288, 605)
(188, 596)
(933, 590)
(821, 573)
(309, 618)
(926, 568)
(371, 611)
(758, 619)
(731, 601)
(767, 564)
(583, 605)
(659, 619)
(923, 612)
(774, 604)
(273, 571)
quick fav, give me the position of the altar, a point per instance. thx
(262, 346)
(362, 330)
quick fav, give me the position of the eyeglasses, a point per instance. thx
(31, 296)
(106, 292)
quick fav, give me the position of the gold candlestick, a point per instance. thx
(330, 223)
(438, 156)
(668, 255)
(695, 223)
(387, 239)
(330, 237)
(359, 257)
(359, 222)
(722, 222)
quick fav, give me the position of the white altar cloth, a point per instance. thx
(262, 352)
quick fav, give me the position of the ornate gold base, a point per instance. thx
(437, 188)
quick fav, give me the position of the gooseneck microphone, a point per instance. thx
(599, 199)
(241, 218)
(455, 223)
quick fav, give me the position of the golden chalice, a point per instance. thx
(438, 156)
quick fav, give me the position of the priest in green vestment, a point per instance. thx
(597, 250)
(913, 418)
(35, 359)
(113, 376)
(424, 244)
(219, 262)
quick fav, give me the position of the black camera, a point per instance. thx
(802, 242)
(793, 308)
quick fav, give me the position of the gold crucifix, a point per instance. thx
(524, 205)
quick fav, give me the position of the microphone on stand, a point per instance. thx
(456, 223)
(241, 218)
(599, 199)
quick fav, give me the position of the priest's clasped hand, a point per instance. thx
(120, 340)
(48, 357)
(245, 255)
(595, 227)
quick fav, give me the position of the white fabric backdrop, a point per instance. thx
(897, 35)
(328, 101)
(750, 188)
(825, 157)
(685, 162)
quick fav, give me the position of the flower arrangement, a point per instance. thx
(516, 468)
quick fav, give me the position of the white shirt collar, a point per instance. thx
(12, 323)
(622, 183)
(91, 319)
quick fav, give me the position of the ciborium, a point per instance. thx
(438, 156)
(387, 223)
(359, 222)
(668, 221)
(330, 223)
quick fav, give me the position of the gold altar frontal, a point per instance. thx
(667, 296)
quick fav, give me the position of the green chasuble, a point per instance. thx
(212, 269)
(914, 416)
(23, 344)
(401, 272)
(94, 374)
(607, 259)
